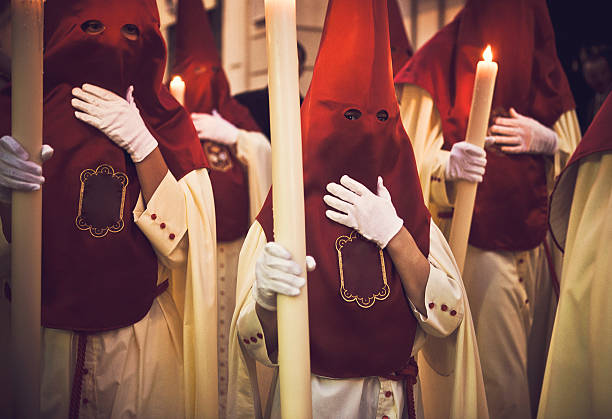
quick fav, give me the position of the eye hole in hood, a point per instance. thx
(352, 114)
(93, 27)
(130, 32)
(382, 115)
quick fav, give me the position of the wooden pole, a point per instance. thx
(288, 203)
(484, 85)
(26, 102)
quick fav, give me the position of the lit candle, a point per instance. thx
(482, 97)
(177, 88)
(288, 203)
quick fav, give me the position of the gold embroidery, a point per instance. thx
(218, 155)
(363, 302)
(81, 222)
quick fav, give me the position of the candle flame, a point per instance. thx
(487, 54)
(177, 80)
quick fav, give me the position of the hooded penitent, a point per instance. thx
(99, 271)
(401, 50)
(351, 125)
(597, 139)
(207, 88)
(510, 209)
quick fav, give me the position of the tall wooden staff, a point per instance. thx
(478, 122)
(288, 203)
(27, 120)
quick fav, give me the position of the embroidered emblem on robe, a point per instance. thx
(218, 156)
(363, 276)
(101, 201)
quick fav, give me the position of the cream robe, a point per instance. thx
(521, 298)
(578, 379)
(456, 355)
(254, 151)
(165, 365)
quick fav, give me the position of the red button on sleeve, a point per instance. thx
(388, 394)
(246, 341)
(153, 216)
(260, 336)
(444, 307)
(453, 312)
(253, 339)
(431, 305)
(171, 236)
(162, 225)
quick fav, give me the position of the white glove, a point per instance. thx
(17, 172)
(521, 134)
(277, 273)
(215, 128)
(116, 117)
(373, 216)
(466, 162)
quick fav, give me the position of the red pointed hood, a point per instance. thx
(113, 62)
(351, 125)
(198, 62)
(99, 271)
(511, 203)
(530, 76)
(401, 49)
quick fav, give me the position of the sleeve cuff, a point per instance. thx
(251, 335)
(164, 220)
(444, 304)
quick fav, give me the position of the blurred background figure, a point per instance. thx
(258, 101)
(596, 64)
(401, 49)
(583, 37)
(238, 154)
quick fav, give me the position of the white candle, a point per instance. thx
(27, 128)
(288, 202)
(482, 97)
(177, 88)
(484, 85)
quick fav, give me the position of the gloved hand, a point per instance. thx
(521, 134)
(466, 162)
(215, 128)
(277, 273)
(17, 172)
(116, 117)
(373, 216)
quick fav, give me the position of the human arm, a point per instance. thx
(375, 218)
(119, 119)
(251, 148)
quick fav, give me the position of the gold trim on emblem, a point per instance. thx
(81, 222)
(363, 302)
